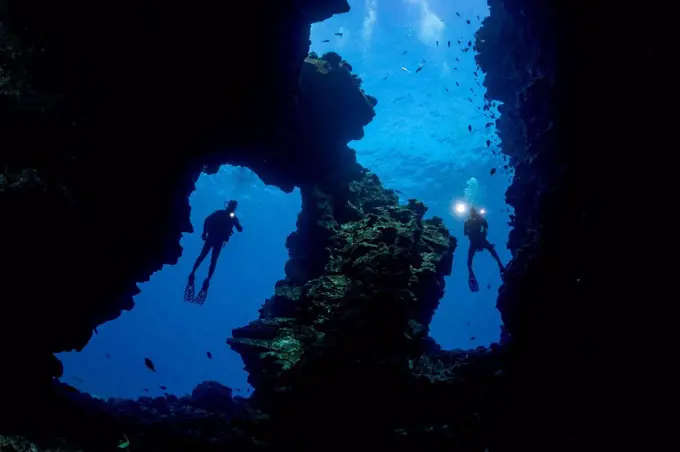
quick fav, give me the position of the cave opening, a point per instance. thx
(177, 335)
(417, 58)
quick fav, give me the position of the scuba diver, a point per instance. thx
(475, 229)
(217, 228)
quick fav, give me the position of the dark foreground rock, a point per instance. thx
(209, 419)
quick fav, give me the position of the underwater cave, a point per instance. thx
(344, 302)
(186, 342)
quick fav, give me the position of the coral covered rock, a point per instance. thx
(364, 277)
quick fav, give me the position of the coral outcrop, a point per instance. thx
(350, 320)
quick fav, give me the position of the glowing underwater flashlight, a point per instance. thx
(460, 208)
(482, 211)
(231, 214)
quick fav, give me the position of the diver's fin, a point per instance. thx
(189, 291)
(202, 294)
(472, 282)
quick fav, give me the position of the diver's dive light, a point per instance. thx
(461, 208)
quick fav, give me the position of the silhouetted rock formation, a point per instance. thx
(104, 133)
(539, 59)
(350, 320)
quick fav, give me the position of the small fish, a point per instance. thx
(420, 68)
(163, 388)
(475, 74)
(457, 14)
(488, 124)
(493, 170)
(448, 43)
(459, 41)
(209, 355)
(470, 100)
(447, 90)
(469, 43)
(472, 338)
(340, 34)
(124, 444)
(148, 363)
(488, 143)
(384, 78)
(468, 21)
(404, 52)
(457, 59)
(465, 50)
(472, 91)
(488, 286)
(470, 128)
(478, 18)
(107, 355)
(437, 43)
(404, 69)
(457, 84)
(326, 40)
(146, 389)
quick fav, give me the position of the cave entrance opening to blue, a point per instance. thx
(176, 335)
(433, 137)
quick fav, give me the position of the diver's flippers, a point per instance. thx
(202, 294)
(472, 282)
(189, 291)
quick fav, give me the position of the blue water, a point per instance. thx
(418, 143)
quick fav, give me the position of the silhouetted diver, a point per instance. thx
(475, 229)
(217, 228)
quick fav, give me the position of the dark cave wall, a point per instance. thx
(539, 58)
(104, 134)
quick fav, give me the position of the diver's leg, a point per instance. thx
(217, 248)
(200, 258)
(472, 281)
(494, 254)
(471, 253)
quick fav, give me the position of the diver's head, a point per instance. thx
(473, 212)
(231, 205)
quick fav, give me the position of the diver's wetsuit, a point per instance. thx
(476, 228)
(217, 228)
